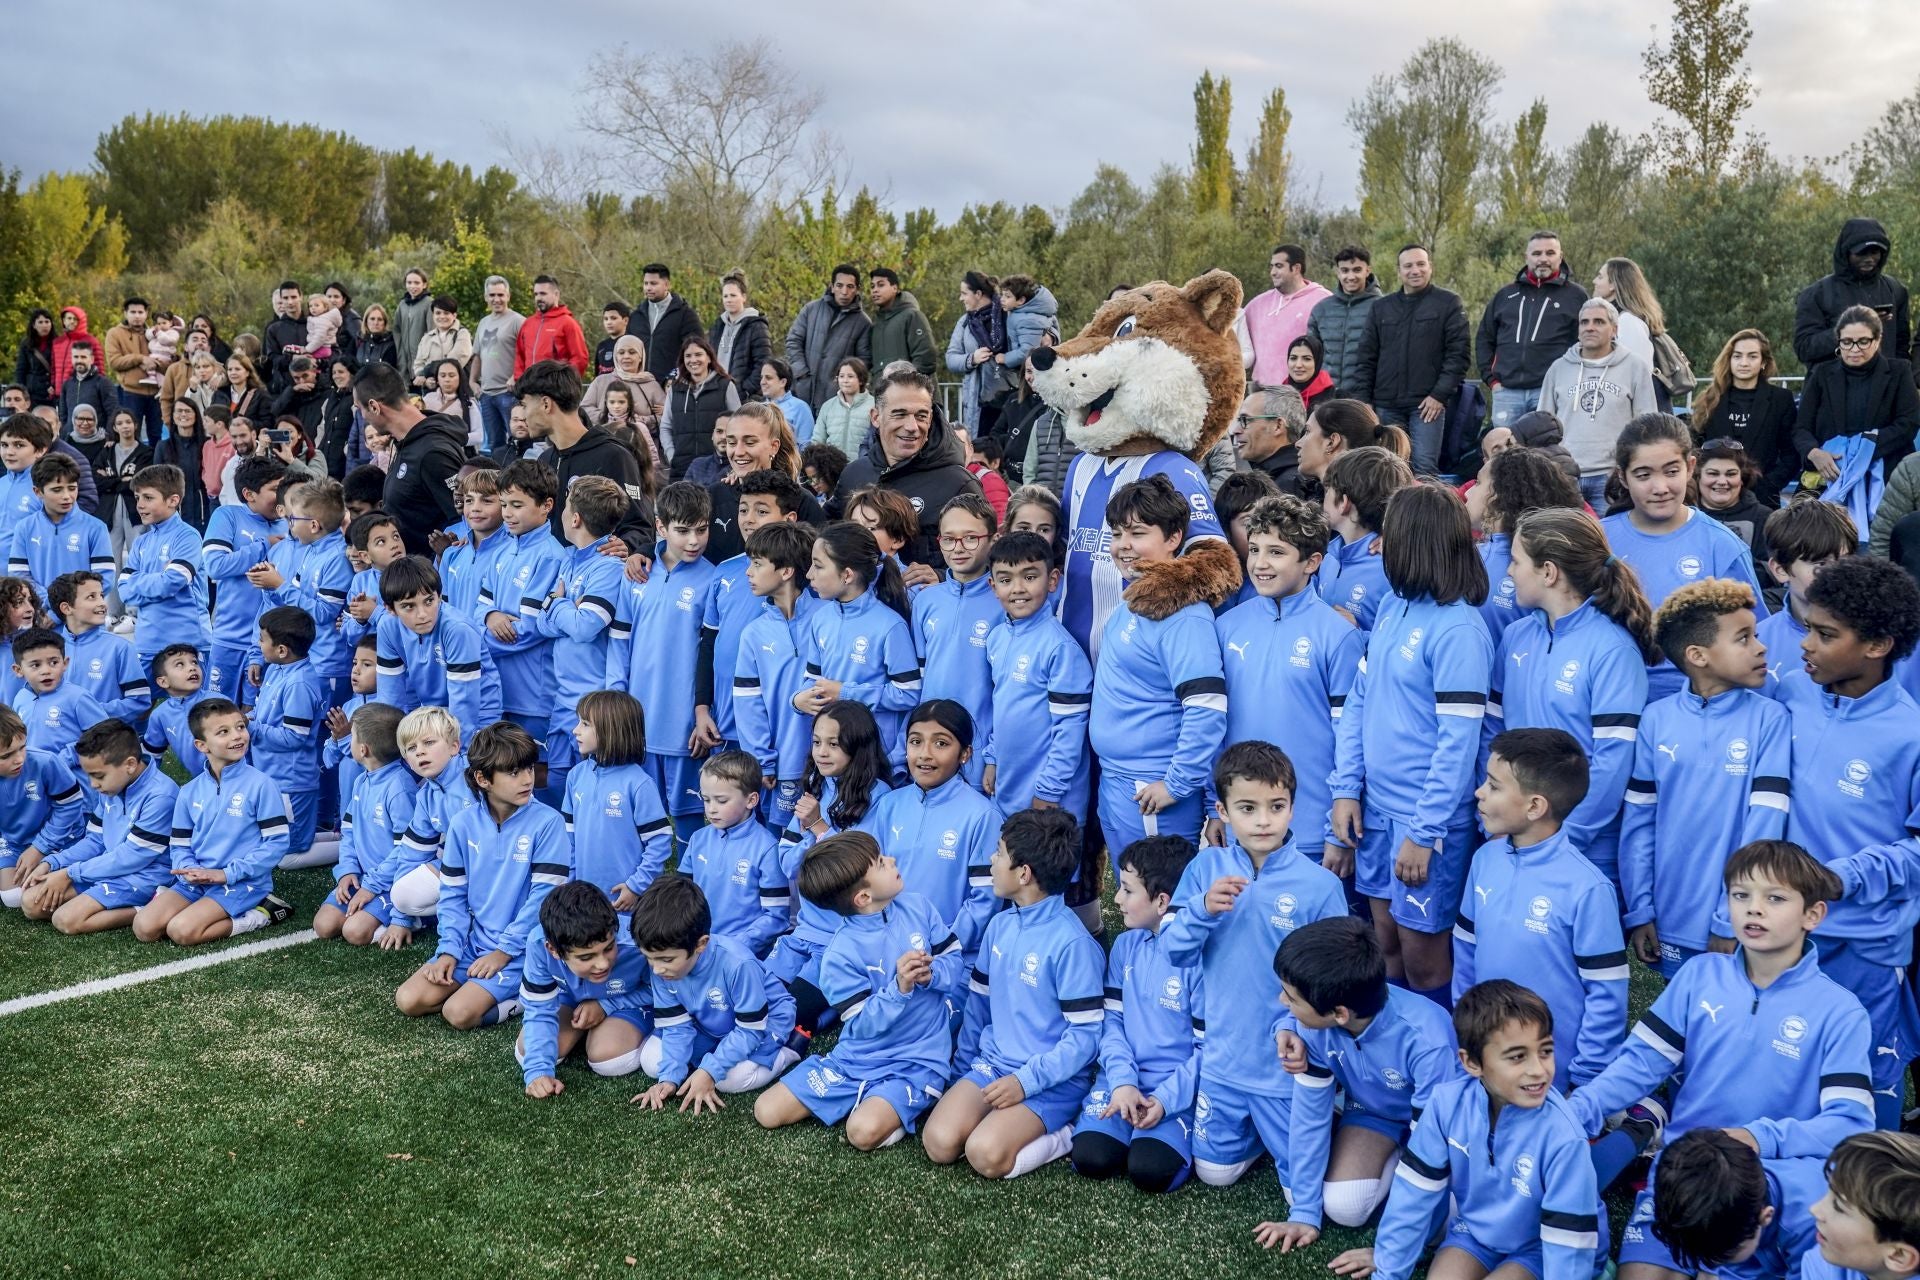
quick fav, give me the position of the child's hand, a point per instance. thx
(1154, 797)
(202, 875)
(638, 565)
(1125, 1102)
(1005, 1092)
(1337, 858)
(1151, 1113)
(587, 1015)
(1355, 1264)
(256, 674)
(489, 964)
(1745, 1138)
(920, 575)
(698, 1093)
(499, 626)
(439, 540)
(544, 1087)
(1213, 832)
(1721, 946)
(357, 560)
(439, 970)
(1221, 894)
(988, 778)
(655, 1098)
(1347, 827)
(1291, 1049)
(361, 899)
(914, 968)
(360, 607)
(1645, 941)
(1411, 866)
(706, 734)
(625, 899)
(1288, 1235)
(806, 810)
(396, 936)
(266, 577)
(338, 725)
(345, 888)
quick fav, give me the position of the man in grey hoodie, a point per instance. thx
(1595, 389)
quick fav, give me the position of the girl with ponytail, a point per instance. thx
(857, 644)
(1577, 662)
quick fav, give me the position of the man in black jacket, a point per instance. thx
(913, 453)
(1413, 354)
(1526, 327)
(1859, 279)
(428, 450)
(664, 321)
(550, 393)
(286, 336)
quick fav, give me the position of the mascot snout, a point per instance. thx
(1042, 358)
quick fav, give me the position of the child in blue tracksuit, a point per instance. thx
(1765, 1043)
(99, 661)
(336, 744)
(952, 619)
(1236, 904)
(373, 822)
(1035, 1005)
(654, 645)
(310, 571)
(1409, 738)
(374, 546)
(1138, 1120)
(1159, 691)
(430, 656)
(858, 644)
(1577, 661)
(100, 881)
(1856, 774)
(1290, 658)
(1667, 543)
(1507, 1146)
(1386, 1049)
(238, 539)
(56, 710)
(621, 834)
(721, 1021)
(429, 740)
(891, 974)
(42, 807)
(58, 538)
(515, 595)
(1042, 687)
(1712, 771)
(734, 858)
(499, 860)
(577, 964)
(1801, 539)
(164, 580)
(940, 830)
(176, 678)
(1537, 912)
(229, 832)
(288, 718)
(22, 443)
(578, 616)
(1866, 1217)
(1357, 486)
(1724, 1211)
(767, 667)
(466, 566)
(767, 497)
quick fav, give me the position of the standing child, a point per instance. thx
(1036, 752)
(309, 570)
(767, 669)
(287, 718)
(1869, 1220)
(1159, 688)
(58, 538)
(1357, 487)
(621, 834)
(584, 987)
(24, 440)
(734, 859)
(516, 592)
(229, 832)
(374, 538)
(1811, 535)
(1516, 482)
(100, 881)
(1577, 661)
(430, 656)
(164, 581)
(858, 645)
(373, 823)
(1410, 736)
(42, 807)
(890, 972)
(468, 564)
(429, 740)
(1034, 1013)
(499, 861)
(1712, 771)
(654, 645)
(952, 617)
(578, 617)
(1139, 1118)
(239, 537)
(337, 761)
(103, 663)
(1535, 910)
(56, 709)
(176, 674)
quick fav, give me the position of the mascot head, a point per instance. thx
(1156, 368)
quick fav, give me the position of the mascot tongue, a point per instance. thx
(1098, 405)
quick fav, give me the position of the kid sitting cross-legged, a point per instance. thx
(1869, 1219)
(429, 740)
(890, 973)
(41, 807)
(1032, 1028)
(584, 985)
(1722, 1210)
(373, 822)
(621, 834)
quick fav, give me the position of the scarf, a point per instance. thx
(988, 327)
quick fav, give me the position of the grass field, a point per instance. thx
(275, 1116)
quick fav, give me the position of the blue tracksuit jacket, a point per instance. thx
(236, 541)
(944, 841)
(1501, 609)
(580, 624)
(317, 577)
(1036, 999)
(42, 806)
(127, 836)
(729, 607)
(951, 623)
(729, 997)
(519, 583)
(495, 875)
(465, 569)
(1700, 548)
(236, 823)
(768, 671)
(1353, 577)
(167, 728)
(883, 1031)
(654, 645)
(621, 833)
(373, 824)
(740, 871)
(287, 724)
(547, 986)
(165, 582)
(1042, 696)
(812, 924)
(43, 550)
(449, 667)
(1159, 699)
(106, 666)
(1148, 1040)
(869, 649)
(435, 805)
(56, 720)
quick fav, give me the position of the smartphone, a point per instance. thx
(279, 435)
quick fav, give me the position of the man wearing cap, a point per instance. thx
(1859, 279)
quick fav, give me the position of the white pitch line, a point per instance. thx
(98, 986)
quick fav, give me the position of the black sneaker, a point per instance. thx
(278, 910)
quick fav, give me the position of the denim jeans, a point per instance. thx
(146, 410)
(1594, 490)
(1510, 403)
(495, 410)
(1424, 435)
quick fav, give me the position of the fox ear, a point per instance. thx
(1216, 295)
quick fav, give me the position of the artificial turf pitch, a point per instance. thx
(276, 1116)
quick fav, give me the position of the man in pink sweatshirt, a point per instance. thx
(1269, 323)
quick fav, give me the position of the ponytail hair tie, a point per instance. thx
(1612, 560)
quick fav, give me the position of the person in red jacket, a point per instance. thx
(73, 333)
(550, 333)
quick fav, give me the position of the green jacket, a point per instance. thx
(1900, 498)
(901, 333)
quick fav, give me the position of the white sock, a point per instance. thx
(250, 919)
(898, 1133)
(624, 1064)
(1042, 1150)
(12, 897)
(1220, 1175)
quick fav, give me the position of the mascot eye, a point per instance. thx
(1124, 328)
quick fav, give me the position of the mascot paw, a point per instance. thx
(1207, 573)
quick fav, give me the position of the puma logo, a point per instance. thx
(1712, 1011)
(1240, 649)
(1520, 657)
(1672, 751)
(1459, 1146)
(1482, 891)
(1415, 902)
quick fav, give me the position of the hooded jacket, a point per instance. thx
(901, 332)
(64, 343)
(552, 334)
(1338, 320)
(1542, 431)
(677, 323)
(1028, 323)
(1818, 308)
(927, 479)
(1526, 327)
(1594, 400)
(597, 453)
(824, 334)
(744, 344)
(419, 492)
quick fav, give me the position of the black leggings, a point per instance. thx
(1152, 1165)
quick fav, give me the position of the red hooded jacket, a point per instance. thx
(63, 344)
(552, 334)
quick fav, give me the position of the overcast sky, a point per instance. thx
(937, 104)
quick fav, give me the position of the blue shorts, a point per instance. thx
(1432, 907)
(1528, 1257)
(1230, 1126)
(124, 891)
(1672, 956)
(678, 778)
(502, 986)
(303, 816)
(1895, 1023)
(535, 725)
(236, 899)
(1358, 1117)
(1174, 1132)
(1122, 822)
(1637, 1241)
(1055, 1107)
(826, 1089)
(795, 958)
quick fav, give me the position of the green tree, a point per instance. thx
(1269, 164)
(1524, 188)
(1599, 189)
(1212, 183)
(21, 288)
(1700, 78)
(1426, 136)
(462, 271)
(1094, 251)
(1888, 158)
(804, 245)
